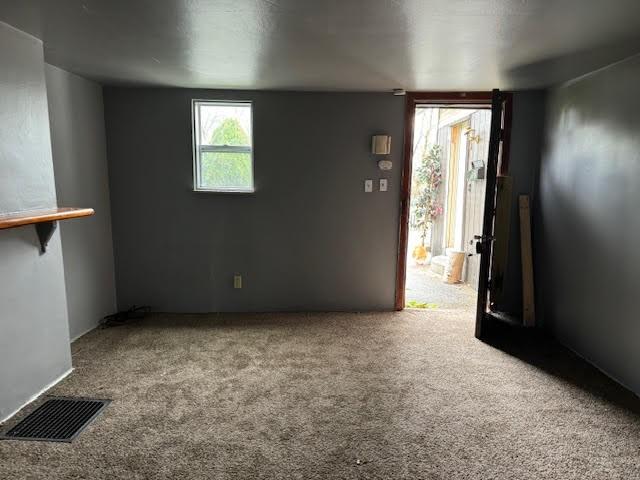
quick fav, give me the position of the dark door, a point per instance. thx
(484, 240)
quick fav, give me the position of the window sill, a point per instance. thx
(224, 191)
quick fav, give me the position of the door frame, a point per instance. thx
(412, 100)
(454, 205)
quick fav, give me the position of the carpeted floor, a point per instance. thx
(408, 395)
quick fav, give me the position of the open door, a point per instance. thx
(485, 239)
(487, 148)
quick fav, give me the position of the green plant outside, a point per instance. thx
(416, 304)
(223, 169)
(427, 181)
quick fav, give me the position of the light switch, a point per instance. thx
(237, 281)
(368, 186)
(383, 184)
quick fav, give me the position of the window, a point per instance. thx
(222, 146)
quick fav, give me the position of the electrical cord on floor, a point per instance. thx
(124, 317)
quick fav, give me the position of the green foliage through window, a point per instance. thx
(224, 152)
(226, 169)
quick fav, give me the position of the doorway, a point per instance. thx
(453, 145)
(449, 151)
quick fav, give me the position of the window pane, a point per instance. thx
(223, 152)
(225, 124)
(230, 171)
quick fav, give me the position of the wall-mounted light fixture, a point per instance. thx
(471, 135)
(381, 145)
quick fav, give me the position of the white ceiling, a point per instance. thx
(331, 44)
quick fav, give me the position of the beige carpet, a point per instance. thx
(407, 395)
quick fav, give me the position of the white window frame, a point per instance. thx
(198, 148)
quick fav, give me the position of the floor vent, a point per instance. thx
(59, 419)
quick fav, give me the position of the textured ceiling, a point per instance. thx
(331, 44)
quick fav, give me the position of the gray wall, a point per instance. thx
(80, 162)
(589, 223)
(308, 239)
(527, 137)
(34, 339)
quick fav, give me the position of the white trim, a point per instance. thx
(458, 117)
(224, 190)
(90, 329)
(37, 395)
(225, 149)
(197, 146)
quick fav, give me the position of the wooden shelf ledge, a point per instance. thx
(44, 220)
(18, 219)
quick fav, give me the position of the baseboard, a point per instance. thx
(91, 329)
(547, 326)
(37, 395)
(597, 367)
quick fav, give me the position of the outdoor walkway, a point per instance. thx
(427, 287)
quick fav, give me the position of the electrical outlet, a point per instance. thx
(237, 281)
(383, 184)
(368, 186)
